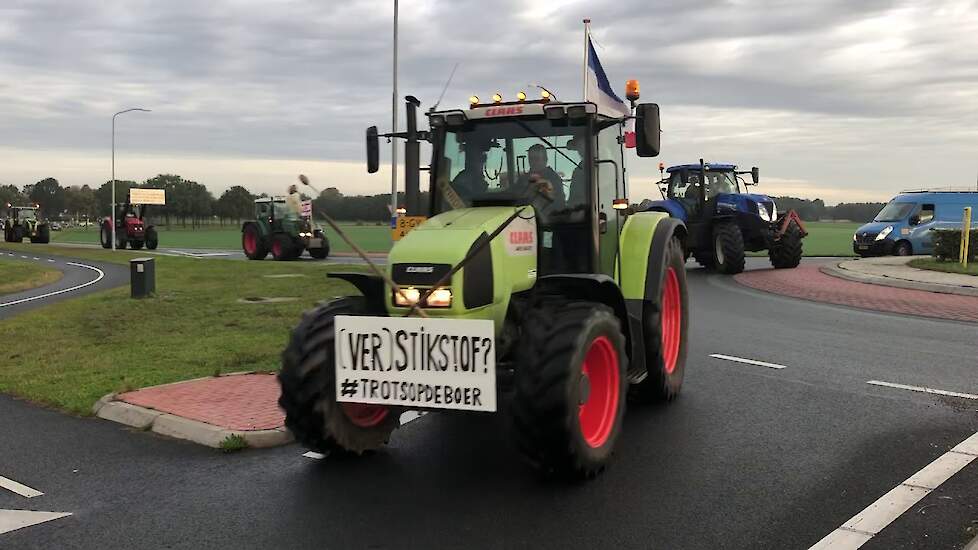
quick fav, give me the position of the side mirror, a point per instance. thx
(647, 130)
(755, 175)
(373, 150)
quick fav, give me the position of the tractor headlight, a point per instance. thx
(886, 231)
(407, 297)
(774, 211)
(440, 297)
(763, 213)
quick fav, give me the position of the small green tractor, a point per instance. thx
(22, 222)
(284, 233)
(531, 289)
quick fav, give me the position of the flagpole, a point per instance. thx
(587, 38)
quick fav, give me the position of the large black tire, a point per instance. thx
(570, 387)
(308, 380)
(728, 248)
(43, 234)
(320, 253)
(18, 233)
(105, 235)
(903, 248)
(120, 240)
(254, 246)
(152, 238)
(283, 248)
(785, 253)
(666, 331)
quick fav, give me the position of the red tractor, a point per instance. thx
(129, 228)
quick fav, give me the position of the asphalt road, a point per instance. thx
(80, 277)
(237, 254)
(748, 457)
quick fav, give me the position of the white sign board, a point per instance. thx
(306, 209)
(147, 196)
(414, 362)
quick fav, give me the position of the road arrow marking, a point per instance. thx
(922, 389)
(19, 488)
(11, 520)
(747, 361)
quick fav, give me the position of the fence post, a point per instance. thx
(965, 236)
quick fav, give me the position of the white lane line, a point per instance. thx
(50, 260)
(198, 254)
(11, 520)
(101, 275)
(406, 417)
(36, 258)
(922, 389)
(24, 257)
(19, 488)
(875, 517)
(747, 361)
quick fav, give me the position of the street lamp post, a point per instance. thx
(394, 125)
(113, 166)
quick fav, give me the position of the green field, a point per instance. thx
(71, 353)
(825, 238)
(946, 267)
(18, 275)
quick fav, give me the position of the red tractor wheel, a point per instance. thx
(283, 248)
(252, 243)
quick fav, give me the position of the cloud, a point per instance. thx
(856, 99)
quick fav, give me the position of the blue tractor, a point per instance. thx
(724, 221)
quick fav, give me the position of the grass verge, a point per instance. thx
(946, 267)
(20, 275)
(71, 353)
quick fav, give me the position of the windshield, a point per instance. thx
(26, 214)
(894, 212)
(716, 183)
(510, 160)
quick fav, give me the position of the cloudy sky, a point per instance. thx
(840, 99)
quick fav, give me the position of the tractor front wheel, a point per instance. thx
(43, 234)
(283, 248)
(785, 253)
(666, 331)
(252, 243)
(728, 248)
(152, 238)
(570, 387)
(308, 380)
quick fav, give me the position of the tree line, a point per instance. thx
(191, 202)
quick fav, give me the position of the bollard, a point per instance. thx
(965, 236)
(142, 277)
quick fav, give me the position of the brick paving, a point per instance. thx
(807, 282)
(240, 402)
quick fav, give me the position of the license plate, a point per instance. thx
(864, 247)
(415, 362)
(315, 242)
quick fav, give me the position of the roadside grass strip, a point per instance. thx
(99, 277)
(874, 518)
(922, 389)
(747, 361)
(18, 276)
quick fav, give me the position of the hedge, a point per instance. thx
(947, 244)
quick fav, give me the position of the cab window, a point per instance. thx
(926, 213)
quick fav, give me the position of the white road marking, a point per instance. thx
(11, 520)
(406, 417)
(922, 389)
(875, 517)
(747, 361)
(101, 275)
(199, 254)
(24, 257)
(19, 488)
(36, 258)
(50, 260)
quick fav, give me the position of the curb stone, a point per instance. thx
(835, 270)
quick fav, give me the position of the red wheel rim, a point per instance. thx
(277, 249)
(672, 316)
(599, 408)
(250, 242)
(363, 414)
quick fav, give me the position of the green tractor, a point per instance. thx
(281, 231)
(22, 222)
(532, 289)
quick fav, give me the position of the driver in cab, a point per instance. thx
(541, 185)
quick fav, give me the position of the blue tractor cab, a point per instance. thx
(724, 220)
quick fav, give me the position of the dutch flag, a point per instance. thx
(599, 91)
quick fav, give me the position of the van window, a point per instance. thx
(926, 213)
(895, 212)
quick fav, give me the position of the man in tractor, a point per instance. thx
(541, 184)
(577, 195)
(293, 202)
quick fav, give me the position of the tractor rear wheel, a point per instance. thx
(785, 253)
(283, 248)
(255, 248)
(308, 380)
(152, 238)
(728, 248)
(666, 334)
(105, 236)
(570, 387)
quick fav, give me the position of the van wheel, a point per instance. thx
(903, 248)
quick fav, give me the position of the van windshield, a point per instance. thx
(894, 212)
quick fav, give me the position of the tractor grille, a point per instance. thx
(866, 237)
(419, 274)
